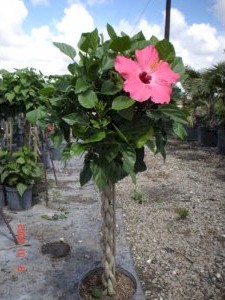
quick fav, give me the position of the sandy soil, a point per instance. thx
(178, 258)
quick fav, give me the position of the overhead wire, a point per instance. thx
(141, 14)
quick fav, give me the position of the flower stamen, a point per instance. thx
(145, 77)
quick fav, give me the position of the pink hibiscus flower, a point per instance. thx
(147, 77)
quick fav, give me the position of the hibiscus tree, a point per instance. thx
(117, 99)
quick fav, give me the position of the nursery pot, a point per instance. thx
(55, 153)
(192, 133)
(207, 136)
(15, 201)
(96, 273)
(2, 196)
(221, 141)
(46, 160)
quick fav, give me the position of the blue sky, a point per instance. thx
(27, 32)
(200, 11)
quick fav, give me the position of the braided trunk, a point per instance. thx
(108, 239)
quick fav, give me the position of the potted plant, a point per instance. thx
(116, 101)
(192, 101)
(3, 160)
(19, 174)
(211, 87)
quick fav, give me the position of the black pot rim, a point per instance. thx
(118, 268)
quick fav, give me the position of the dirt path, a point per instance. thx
(178, 258)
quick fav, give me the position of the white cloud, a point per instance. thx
(19, 49)
(97, 2)
(40, 2)
(219, 10)
(200, 45)
(11, 27)
(143, 25)
(75, 21)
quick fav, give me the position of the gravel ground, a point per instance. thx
(178, 258)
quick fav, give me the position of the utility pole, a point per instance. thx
(167, 21)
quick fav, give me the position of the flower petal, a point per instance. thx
(147, 56)
(126, 67)
(137, 90)
(164, 73)
(161, 93)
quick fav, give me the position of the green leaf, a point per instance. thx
(109, 88)
(111, 31)
(26, 170)
(154, 40)
(160, 144)
(88, 40)
(77, 149)
(99, 174)
(177, 65)
(120, 44)
(179, 130)
(111, 151)
(120, 134)
(97, 137)
(138, 37)
(10, 96)
(75, 118)
(166, 50)
(81, 85)
(17, 89)
(21, 188)
(85, 174)
(129, 159)
(141, 141)
(107, 63)
(88, 99)
(136, 128)
(48, 90)
(73, 68)
(127, 113)
(66, 49)
(122, 102)
(140, 165)
(35, 115)
(139, 45)
(20, 160)
(56, 138)
(174, 113)
(116, 172)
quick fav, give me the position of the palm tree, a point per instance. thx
(204, 89)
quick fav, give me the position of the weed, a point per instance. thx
(96, 293)
(182, 212)
(137, 196)
(54, 217)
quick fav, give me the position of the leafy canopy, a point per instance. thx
(109, 127)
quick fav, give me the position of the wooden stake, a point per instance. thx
(9, 227)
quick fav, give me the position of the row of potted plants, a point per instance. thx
(19, 171)
(205, 100)
(206, 136)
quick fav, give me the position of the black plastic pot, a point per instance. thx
(221, 141)
(55, 153)
(192, 133)
(15, 201)
(46, 160)
(118, 269)
(207, 136)
(2, 196)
